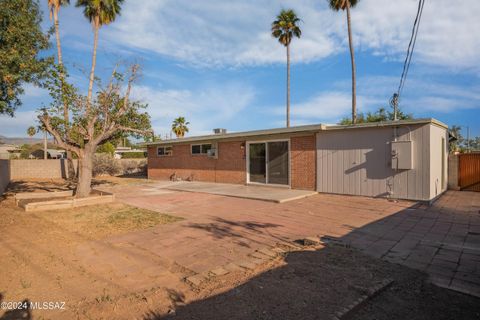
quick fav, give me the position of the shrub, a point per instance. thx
(104, 163)
(132, 166)
(134, 155)
(107, 147)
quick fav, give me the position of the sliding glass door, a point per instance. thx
(268, 162)
(258, 160)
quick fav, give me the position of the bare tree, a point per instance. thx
(109, 115)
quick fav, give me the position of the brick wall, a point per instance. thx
(303, 166)
(228, 168)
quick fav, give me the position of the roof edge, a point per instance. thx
(296, 129)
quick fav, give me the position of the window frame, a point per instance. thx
(165, 154)
(201, 145)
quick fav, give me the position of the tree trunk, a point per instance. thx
(57, 36)
(66, 119)
(288, 86)
(85, 166)
(352, 57)
(94, 61)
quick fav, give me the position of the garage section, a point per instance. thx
(404, 160)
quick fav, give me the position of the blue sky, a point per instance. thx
(215, 63)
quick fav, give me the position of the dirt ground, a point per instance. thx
(37, 264)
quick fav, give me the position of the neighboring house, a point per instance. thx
(121, 151)
(9, 151)
(404, 159)
(51, 154)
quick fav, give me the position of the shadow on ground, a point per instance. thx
(223, 228)
(16, 314)
(317, 284)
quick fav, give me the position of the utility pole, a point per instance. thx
(45, 145)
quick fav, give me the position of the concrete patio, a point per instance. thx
(255, 192)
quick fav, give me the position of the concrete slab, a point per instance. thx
(265, 193)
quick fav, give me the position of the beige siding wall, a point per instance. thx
(438, 160)
(358, 162)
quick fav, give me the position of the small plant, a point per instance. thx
(25, 284)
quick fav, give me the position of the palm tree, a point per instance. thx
(284, 28)
(31, 131)
(99, 13)
(337, 5)
(179, 127)
(54, 7)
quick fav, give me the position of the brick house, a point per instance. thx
(402, 159)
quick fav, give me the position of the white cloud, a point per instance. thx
(219, 32)
(237, 32)
(445, 35)
(206, 108)
(17, 126)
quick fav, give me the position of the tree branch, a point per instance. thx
(45, 119)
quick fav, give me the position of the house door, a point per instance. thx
(268, 162)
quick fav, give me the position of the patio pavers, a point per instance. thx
(442, 240)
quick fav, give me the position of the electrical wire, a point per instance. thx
(411, 47)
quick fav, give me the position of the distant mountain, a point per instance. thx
(20, 140)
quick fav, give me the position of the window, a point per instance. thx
(201, 148)
(164, 151)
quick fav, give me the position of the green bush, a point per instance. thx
(134, 155)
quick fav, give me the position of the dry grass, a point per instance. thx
(103, 220)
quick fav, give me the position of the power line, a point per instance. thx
(411, 47)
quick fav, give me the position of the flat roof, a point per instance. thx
(297, 129)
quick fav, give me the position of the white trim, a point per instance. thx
(247, 171)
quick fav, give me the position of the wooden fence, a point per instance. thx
(469, 171)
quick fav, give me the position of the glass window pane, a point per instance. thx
(196, 149)
(257, 160)
(278, 162)
(161, 151)
(206, 147)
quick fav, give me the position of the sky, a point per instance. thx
(215, 62)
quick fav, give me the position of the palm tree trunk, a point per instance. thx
(57, 36)
(96, 26)
(352, 57)
(288, 86)
(70, 166)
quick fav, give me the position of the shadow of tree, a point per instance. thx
(223, 228)
(39, 185)
(17, 314)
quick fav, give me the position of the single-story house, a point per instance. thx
(404, 159)
(51, 154)
(120, 152)
(9, 151)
